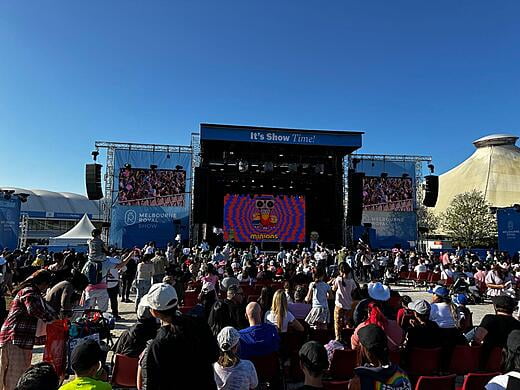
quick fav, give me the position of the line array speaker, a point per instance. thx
(355, 198)
(93, 181)
(431, 190)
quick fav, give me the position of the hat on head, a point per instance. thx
(227, 338)
(161, 296)
(460, 299)
(504, 302)
(378, 291)
(143, 311)
(420, 306)
(441, 291)
(372, 336)
(314, 355)
(85, 355)
(513, 341)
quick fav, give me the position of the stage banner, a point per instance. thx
(389, 190)
(508, 223)
(9, 222)
(264, 218)
(151, 197)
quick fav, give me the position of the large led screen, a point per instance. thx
(387, 193)
(151, 187)
(254, 218)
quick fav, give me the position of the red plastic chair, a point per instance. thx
(493, 362)
(436, 382)
(267, 368)
(185, 309)
(322, 336)
(464, 359)
(343, 363)
(477, 381)
(124, 373)
(395, 357)
(424, 361)
(252, 298)
(335, 385)
(190, 298)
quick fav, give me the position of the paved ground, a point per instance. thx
(127, 311)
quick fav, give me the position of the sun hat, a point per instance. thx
(420, 306)
(161, 296)
(460, 299)
(441, 291)
(227, 338)
(378, 291)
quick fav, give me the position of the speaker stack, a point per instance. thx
(93, 181)
(355, 198)
(431, 190)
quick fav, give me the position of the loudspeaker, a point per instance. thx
(355, 198)
(200, 195)
(431, 190)
(93, 181)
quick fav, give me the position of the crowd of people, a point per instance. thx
(200, 322)
(140, 184)
(387, 190)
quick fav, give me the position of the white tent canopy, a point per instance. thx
(78, 235)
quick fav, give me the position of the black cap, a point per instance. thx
(513, 341)
(372, 336)
(85, 356)
(314, 356)
(505, 302)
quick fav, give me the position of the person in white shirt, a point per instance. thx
(510, 380)
(420, 268)
(343, 286)
(280, 316)
(442, 311)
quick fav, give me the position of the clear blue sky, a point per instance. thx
(419, 77)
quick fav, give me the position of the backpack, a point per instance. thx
(93, 270)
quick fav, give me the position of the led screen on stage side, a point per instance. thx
(264, 218)
(387, 194)
(151, 187)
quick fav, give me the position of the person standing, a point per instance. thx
(113, 289)
(19, 331)
(145, 270)
(128, 276)
(319, 316)
(159, 264)
(343, 286)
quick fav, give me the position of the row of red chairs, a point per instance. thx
(422, 278)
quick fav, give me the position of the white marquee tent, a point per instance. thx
(78, 235)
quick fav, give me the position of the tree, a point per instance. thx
(427, 219)
(468, 221)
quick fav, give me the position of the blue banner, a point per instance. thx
(9, 222)
(508, 224)
(389, 190)
(281, 136)
(151, 198)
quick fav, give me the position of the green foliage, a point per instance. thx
(427, 219)
(468, 221)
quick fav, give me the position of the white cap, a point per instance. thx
(228, 338)
(161, 296)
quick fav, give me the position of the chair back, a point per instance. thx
(343, 363)
(464, 359)
(494, 360)
(423, 361)
(436, 382)
(335, 385)
(124, 373)
(267, 367)
(477, 381)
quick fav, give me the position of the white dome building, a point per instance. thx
(493, 169)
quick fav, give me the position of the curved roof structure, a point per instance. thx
(51, 203)
(493, 169)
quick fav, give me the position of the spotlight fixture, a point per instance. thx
(127, 166)
(431, 167)
(94, 154)
(153, 167)
(355, 162)
(178, 167)
(405, 175)
(243, 166)
(23, 197)
(384, 175)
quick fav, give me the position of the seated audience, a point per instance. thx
(299, 308)
(231, 372)
(279, 316)
(422, 332)
(442, 311)
(313, 362)
(259, 339)
(404, 314)
(511, 379)
(376, 370)
(85, 360)
(40, 376)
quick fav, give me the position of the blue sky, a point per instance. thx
(419, 77)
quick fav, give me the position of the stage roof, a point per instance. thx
(348, 141)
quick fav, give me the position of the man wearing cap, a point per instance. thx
(313, 363)
(441, 311)
(184, 350)
(423, 332)
(86, 360)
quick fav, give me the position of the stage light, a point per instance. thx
(384, 175)
(252, 180)
(221, 169)
(153, 167)
(243, 166)
(23, 197)
(280, 155)
(431, 167)
(330, 156)
(178, 167)
(127, 166)
(168, 155)
(319, 169)
(94, 154)
(405, 175)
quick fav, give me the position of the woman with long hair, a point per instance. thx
(19, 331)
(231, 372)
(319, 291)
(266, 299)
(280, 316)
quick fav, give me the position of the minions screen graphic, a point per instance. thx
(264, 218)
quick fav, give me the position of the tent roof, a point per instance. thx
(82, 230)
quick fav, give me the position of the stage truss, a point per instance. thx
(419, 161)
(107, 201)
